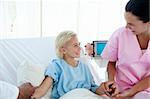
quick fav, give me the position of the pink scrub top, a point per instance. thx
(132, 65)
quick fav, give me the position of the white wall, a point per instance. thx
(91, 19)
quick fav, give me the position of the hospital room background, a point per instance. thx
(28, 29)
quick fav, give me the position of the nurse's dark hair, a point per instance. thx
(139, 8)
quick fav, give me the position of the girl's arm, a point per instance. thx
(43, 88)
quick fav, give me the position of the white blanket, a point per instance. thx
(81, 93)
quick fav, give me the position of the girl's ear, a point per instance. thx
(63, 50)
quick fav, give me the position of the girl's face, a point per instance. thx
(135, 25)
(72, 48)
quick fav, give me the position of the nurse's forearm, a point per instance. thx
(111, 70)
(142, 85)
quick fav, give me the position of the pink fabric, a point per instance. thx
(131, 64)
(142, 95)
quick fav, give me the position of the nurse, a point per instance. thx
(128, 53)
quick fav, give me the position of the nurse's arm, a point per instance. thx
(111, 69)
(142, 85)
(43, 88)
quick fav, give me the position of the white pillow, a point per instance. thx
(33, 73)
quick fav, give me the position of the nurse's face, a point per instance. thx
(135, 25)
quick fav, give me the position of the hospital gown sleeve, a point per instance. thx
(89, 75)
(93, 86)
(53, 71)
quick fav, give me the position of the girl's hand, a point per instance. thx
(35, 98)
(35, 94)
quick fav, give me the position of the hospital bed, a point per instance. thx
(24, 60)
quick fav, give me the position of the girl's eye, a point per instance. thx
(76, 45)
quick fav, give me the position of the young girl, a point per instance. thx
(67, 73)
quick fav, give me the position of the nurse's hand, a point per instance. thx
(104, 88)
(89, 49)
(115, 91)
(108, 88)
(127, 93)
(112, 89)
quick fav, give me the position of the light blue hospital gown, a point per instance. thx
(67, 77)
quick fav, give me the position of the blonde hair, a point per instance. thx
(61, 40)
